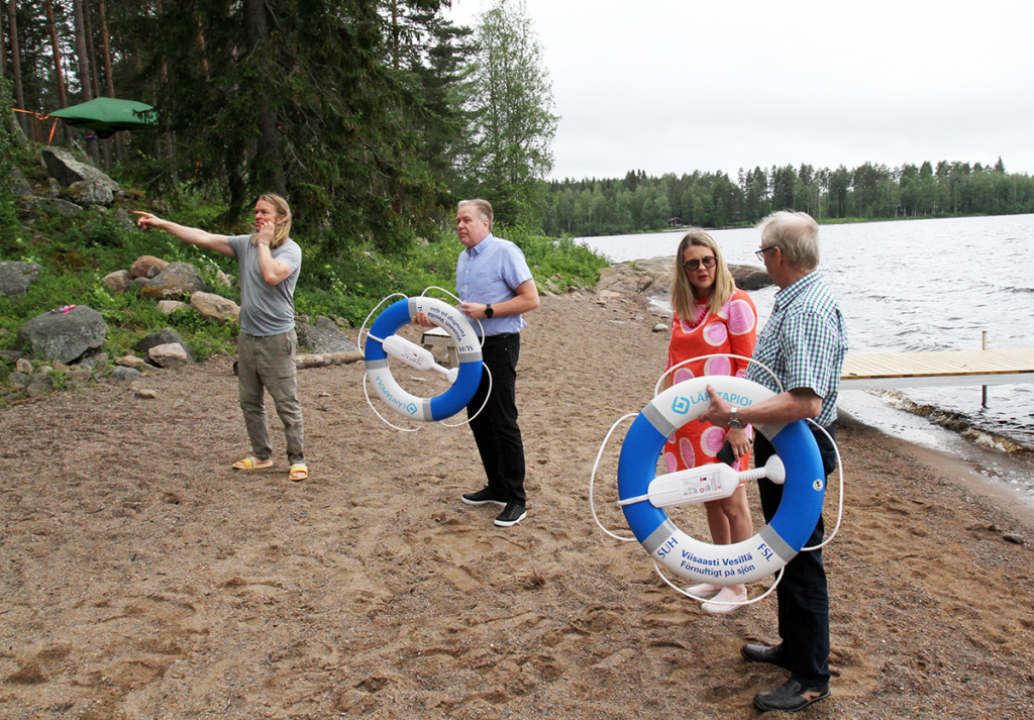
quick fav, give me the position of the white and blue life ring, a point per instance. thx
(743, 562)
(468, 349)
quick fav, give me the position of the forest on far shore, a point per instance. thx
(639, 202)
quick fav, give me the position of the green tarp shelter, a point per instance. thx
(106, 116)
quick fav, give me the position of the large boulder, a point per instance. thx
(92, 192)
(323, 337)
(651, 276)
(18, 185)
(748, 277)
(17, 277)
(64, 336)
(30, 208)
(63, 167)
(175, 281)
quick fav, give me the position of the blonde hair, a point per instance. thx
(483, 207)
(282, 231)
(683, 294)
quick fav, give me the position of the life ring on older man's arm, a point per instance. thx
(643, 496)
(382, 341)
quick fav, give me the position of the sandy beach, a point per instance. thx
(140, 577)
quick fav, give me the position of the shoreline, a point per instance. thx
(965, 471)
(145, 578)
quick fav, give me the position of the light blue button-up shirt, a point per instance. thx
(490, 272)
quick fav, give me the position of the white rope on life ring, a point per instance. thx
(743, 562)
(468, 349)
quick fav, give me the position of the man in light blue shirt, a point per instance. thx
(495, 286)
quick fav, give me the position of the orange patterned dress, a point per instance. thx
(731, 330)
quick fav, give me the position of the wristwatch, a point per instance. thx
(734, 418)
(489, 312)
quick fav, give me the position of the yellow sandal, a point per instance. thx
(252, 463)
(299, 472)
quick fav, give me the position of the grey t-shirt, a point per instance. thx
(266, 309)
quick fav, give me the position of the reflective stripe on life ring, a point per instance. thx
(742, 562)
(467, 346)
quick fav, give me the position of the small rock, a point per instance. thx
(123, 374)
(117, 282)
(168, 355)
(660, 327)
(1015, 539)
(78, 373)
(130, 361)
(168, 307)
(94, 361)
(146, 394)
(19, 380)
(22, 365)
(40, 384)
(215, 307)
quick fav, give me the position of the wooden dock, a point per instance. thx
(928, 369)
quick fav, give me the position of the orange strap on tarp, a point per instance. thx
(40, 117)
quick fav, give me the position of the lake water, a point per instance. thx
(917, 285)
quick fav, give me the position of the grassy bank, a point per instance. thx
(76, 253)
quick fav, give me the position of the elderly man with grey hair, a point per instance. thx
(804, 343)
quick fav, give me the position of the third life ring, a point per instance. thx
(743, 562)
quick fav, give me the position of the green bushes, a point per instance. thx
(76, 253)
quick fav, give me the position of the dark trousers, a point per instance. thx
(802, 593)
(495, 429)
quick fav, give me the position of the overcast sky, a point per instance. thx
(681, 85)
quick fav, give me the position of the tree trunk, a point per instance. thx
(59, 73)
(16, 63)
(3, 41)
(94, 69)
(84, 67)
(201, 50)
(107, 52)
(106, 38)
(267, 161)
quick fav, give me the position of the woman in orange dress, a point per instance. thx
(710, 316)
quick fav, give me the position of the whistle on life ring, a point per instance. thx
(743, 562)
(464, 382)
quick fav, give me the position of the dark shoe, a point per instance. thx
(790, 697)
(511, 515)
(482, 497)
(765, 654)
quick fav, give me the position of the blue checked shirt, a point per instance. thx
(804, 343)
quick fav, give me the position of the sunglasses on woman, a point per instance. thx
(691, 265)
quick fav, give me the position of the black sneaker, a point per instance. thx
(482, 497)
(790, 697)
(512, 514)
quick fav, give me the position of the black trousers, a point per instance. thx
(495, 429)
(802, 594)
